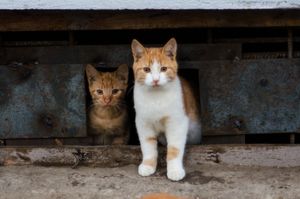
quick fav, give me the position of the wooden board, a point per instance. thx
(113, 54)
(116, 156)
(113, 20)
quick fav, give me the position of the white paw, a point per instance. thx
(176, 174)
(146, 170)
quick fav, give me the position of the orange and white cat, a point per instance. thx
(108, 116)
(164, 103)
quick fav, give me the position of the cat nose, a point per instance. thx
(107, 100)
(155, 81)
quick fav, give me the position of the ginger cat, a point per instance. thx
(164, 103)
(108, 116)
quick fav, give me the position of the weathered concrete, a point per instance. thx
(202, 181)
(216, 171)
(147, 4)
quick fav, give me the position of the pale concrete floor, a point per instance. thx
(202, 181)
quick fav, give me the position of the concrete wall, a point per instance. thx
(147, 4)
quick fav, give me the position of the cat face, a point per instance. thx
(107, 88)
(154, 67)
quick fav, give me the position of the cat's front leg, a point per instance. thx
(148, 141)
(176, 134)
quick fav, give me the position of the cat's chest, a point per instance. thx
(158, 103)
(107, 124)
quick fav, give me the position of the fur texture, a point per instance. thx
(164, 103)
(108, 118)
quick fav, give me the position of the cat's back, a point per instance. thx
(189, 100)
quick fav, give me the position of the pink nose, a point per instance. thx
(155, 82)
(107, 100)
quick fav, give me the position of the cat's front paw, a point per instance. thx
(176, 174)
(146, 170)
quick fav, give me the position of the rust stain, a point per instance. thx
(11, 161)
(160, 196)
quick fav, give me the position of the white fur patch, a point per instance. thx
(151, 105)
(156, 74)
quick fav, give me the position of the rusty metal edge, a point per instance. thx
(116, 156)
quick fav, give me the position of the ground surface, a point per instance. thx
(202, 181)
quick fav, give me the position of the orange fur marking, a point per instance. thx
(160, 196)
(150, 162)
(164, 120)
(190, 103)
(173, 152)
(152, 140)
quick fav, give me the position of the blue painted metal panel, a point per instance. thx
(254, 96)
(41, 101)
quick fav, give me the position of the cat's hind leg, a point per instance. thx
(148, 141)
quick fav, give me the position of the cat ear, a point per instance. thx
(170, 48)
(122, 73)
(91, 73)
(137, 49)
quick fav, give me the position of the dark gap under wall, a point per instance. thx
(273, 138)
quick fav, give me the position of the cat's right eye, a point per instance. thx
(100, 92)
(147, 69)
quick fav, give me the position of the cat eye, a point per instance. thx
(100, 92)
(115, 91)
(163, 69)
(147, 69)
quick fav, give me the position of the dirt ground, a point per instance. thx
(202, 181)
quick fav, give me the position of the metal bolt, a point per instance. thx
(264, 82)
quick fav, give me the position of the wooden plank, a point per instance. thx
(113, 54)
(113, 20)
(224, 139)
(115, 156)
(82, 141)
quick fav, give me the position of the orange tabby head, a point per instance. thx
(107, 88)
(154, 66)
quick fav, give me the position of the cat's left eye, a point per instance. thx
(163, 69)
(100, 92)
(115, 91)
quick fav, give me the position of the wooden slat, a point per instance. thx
(104, 20)
(111, 53)
(113, 156)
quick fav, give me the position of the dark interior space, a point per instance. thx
(254, 44)
(274, 138)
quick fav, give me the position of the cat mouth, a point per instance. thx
(155, 85)
(107, 105)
